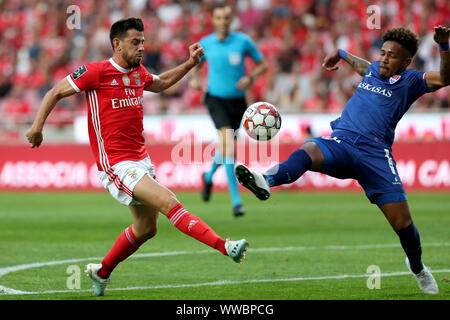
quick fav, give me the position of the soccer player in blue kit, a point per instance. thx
(225, 53)
(360, 143)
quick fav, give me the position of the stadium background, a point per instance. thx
(37, 48)
(304, 245)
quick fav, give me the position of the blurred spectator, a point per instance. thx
(37, 49)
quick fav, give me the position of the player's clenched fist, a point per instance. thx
(330, 61)
(441, 34)
(196, 52)
(34, 137)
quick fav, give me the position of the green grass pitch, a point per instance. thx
(302, 246)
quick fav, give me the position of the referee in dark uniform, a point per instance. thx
(225, 52)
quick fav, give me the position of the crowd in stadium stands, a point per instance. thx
(37, 48)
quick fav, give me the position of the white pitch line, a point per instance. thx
(20, 267)
(229, 282)
(5, 290)
(7, 270)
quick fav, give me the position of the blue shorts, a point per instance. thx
(348, 155)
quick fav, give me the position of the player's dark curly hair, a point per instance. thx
(119, 28)
(408, 39)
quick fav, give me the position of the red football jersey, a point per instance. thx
(115, 114)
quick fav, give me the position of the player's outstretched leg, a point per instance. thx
(253, 181)
(151, 193)
(289, 170)
(193, 226)
(285, 172)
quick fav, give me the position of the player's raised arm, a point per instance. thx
(330, 62)
(169, 78)
(438, 79)
(194, 81)
(61, 90)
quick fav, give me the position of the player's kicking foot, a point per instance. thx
(206, 191)
(236, 249)
(99, 283)
(253, 181)
(238, 210)
(425, 279)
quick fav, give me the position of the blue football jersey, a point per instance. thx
(226, 62)
(378, 103)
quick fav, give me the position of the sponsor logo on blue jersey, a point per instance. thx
(379, 90)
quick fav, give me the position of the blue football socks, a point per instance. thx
(290, 170)
(410, 241)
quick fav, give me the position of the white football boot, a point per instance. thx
(99, 283)
(425, 279)
(253, 181)
(236, 249)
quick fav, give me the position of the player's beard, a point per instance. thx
(132, 61)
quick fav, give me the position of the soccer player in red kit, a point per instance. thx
(114, 92)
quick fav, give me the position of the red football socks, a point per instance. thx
(126, 244)
(193, 226)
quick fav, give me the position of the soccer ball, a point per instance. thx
(261, 121)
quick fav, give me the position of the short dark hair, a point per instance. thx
(408, 39)
(119, 28)
(221, 5)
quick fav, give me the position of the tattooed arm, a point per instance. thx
(358, 64)
(438, 79)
